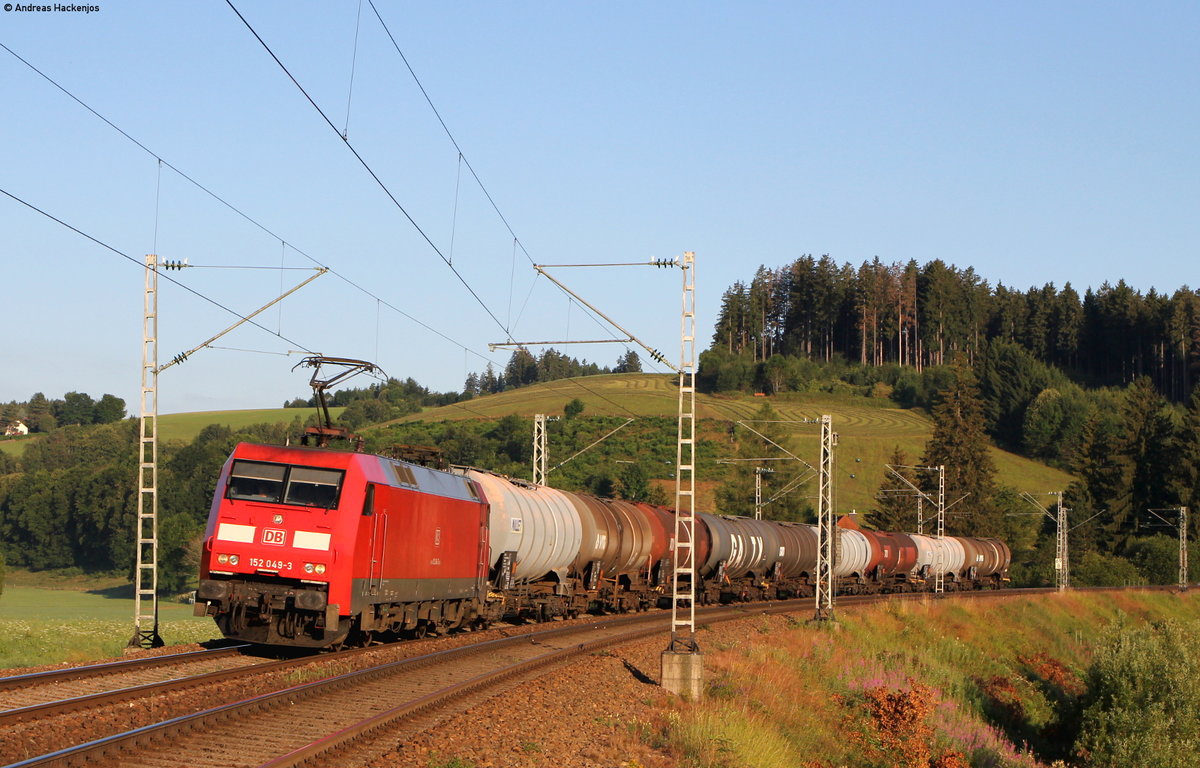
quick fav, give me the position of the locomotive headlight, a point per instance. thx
(320, 567)
(223, 559)
(308, 567)
(233, 559)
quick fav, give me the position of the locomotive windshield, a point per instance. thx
(284, 484)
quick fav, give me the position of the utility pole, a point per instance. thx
(1183, 552)
(825, 527)
(539, 449)
(1182, 583)
(939, 580)
(939, 576)
(758, 504)
(1062, 560)
(145, 588)
(682, 660)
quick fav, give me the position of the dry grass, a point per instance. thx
(920, 683)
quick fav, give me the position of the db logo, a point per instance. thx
(275, 536)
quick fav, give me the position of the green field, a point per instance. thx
(14, 447)
(185, 426)
(47, 626)
(868, 429)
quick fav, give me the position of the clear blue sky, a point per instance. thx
(1035, 142)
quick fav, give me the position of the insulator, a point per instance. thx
(170, 265)
(179, 358)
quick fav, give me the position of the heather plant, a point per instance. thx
(1142, 699)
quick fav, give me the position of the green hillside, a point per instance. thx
(868, 429)
(184, 427)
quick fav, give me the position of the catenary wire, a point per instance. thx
(371, 172)
(268, 231)
(242, 213)
(142, 265)
(449, 135)
(463, 160)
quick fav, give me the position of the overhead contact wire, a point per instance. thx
(242, 213)
(353, 64)
(446, 128)
(370, 170)
(142, 265)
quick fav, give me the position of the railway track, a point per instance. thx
(22, 697)
(321, 715)
(309, 722)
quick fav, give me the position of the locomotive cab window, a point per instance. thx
(256, 481)
(313, 487)
(284, 484)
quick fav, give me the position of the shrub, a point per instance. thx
(1098, 570)
(1143, 694)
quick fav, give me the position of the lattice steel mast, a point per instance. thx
(1062, 557)
(539, 449)
(683, 600)
(1062, 560)
(1183, 552)
(826, 549)
(145, 590)
(939, 579)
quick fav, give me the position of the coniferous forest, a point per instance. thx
(1103, 385)
(923, 315)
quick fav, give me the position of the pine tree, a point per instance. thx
(628, 363)
(895, 503)
(1105, 474)
(1151, 449)
(1189, 461)
(960, 445)
(471, 385)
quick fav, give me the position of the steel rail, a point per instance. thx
(15, 682)
(314, 750)
(112, 745)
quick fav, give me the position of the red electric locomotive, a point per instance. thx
(304, 545)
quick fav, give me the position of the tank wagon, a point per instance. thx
(312, 547)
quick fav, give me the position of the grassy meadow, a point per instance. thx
(15, 446)
(869, 429)
(182, 427)
(904, 683)
(51, 618)
(185, 426)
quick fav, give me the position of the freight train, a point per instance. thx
(317, 548)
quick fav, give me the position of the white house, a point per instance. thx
(16, 428)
